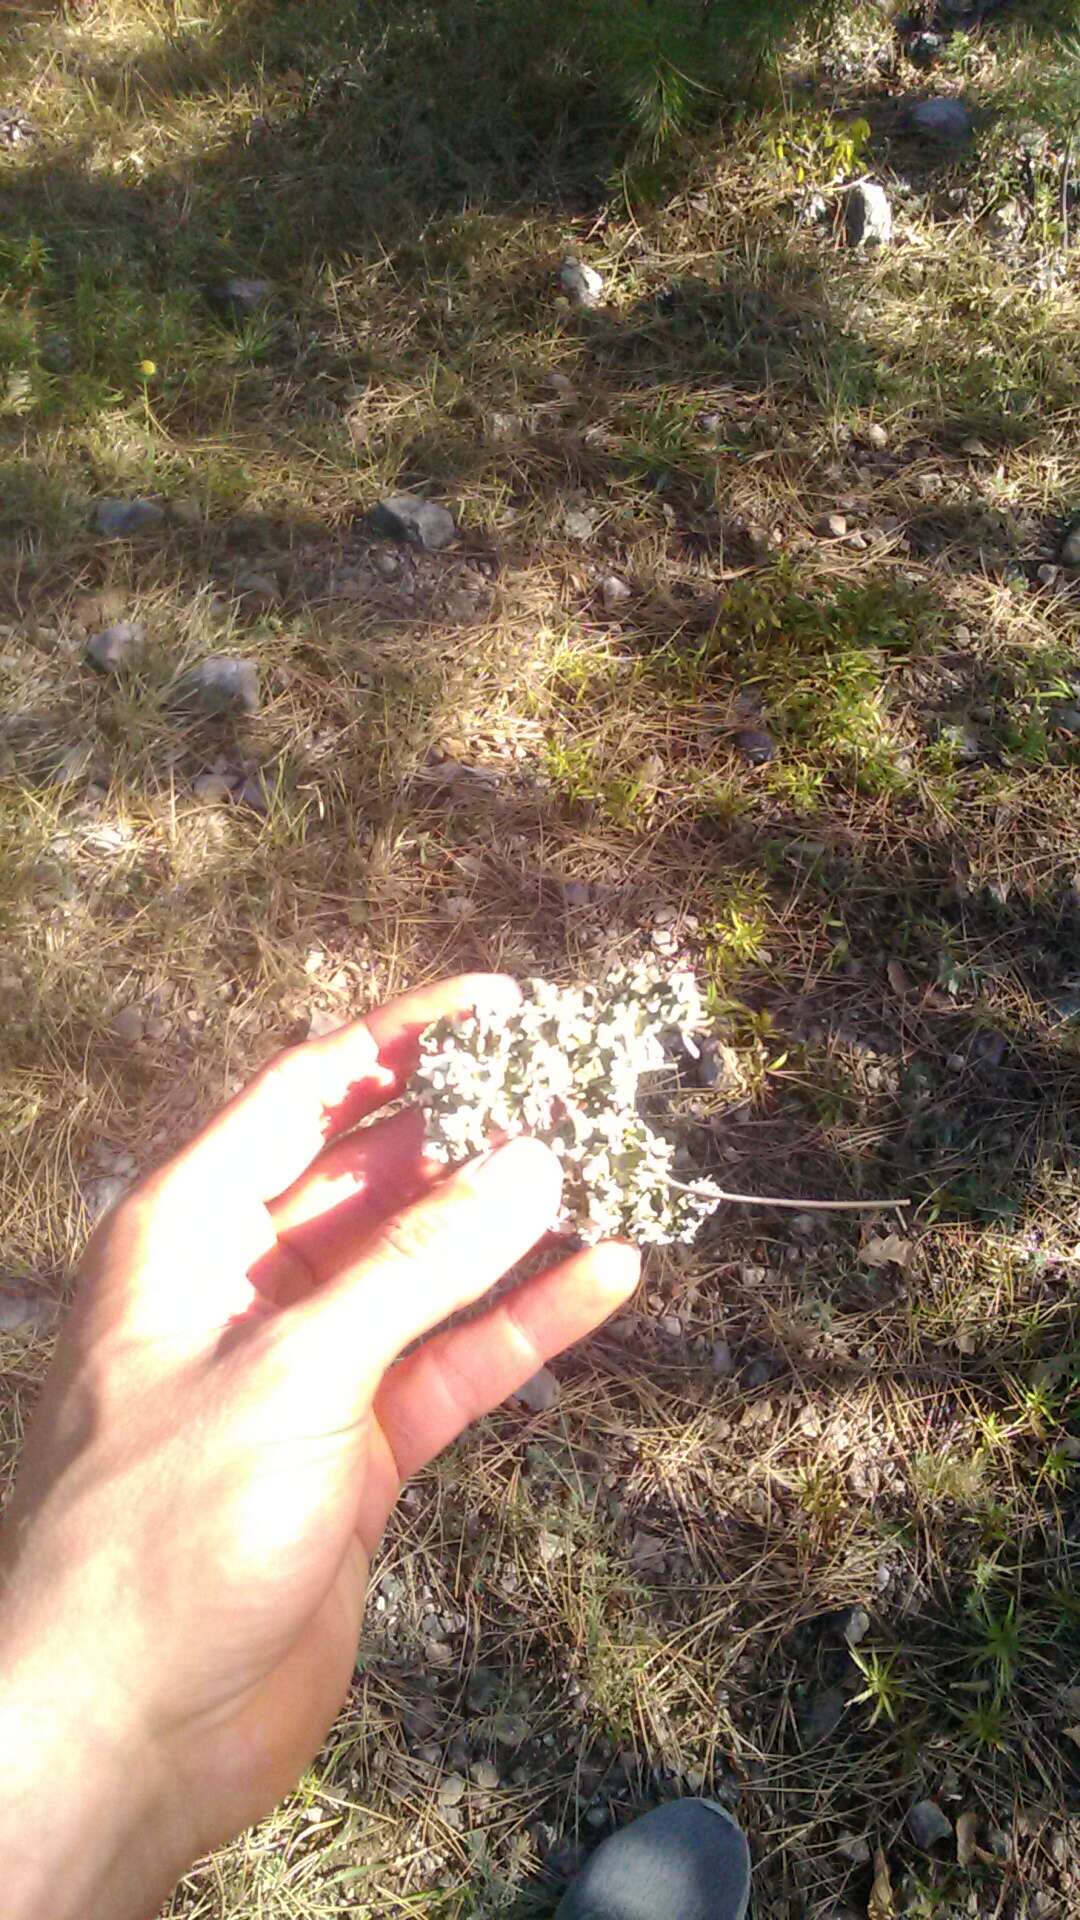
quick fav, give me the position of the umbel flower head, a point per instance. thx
(566, 1067)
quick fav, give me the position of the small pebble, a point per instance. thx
(117, 647)
(927, 1824)
(223, 683)
(723, 1364)
(582, 283)
(540, 1393)
(21, 1313)
(756, 745)
(127, 1025)
(856, 1626)
(876, 436)
(946, 120)
(212, 788)
(579, 523)
(258, 590)
(510, 1729)
(615, 592)
(831, 526)
(868, 215)
(239, 297)
(118, 519)
(254, 793)
(485, 1776)
(420, 523)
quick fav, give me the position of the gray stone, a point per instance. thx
(452, 1790)
(821, 1716)
(240, 298)
(510, 1729)
(1068, 718)
(581, 283)
(756, 745)
(100, 1196)
(253, 792)
(854, 1847)
(212, 788)
(485, 1776)
(540, 1393)
(723, 1364)
(119, 519)
(24, 1312)
(855, 1626)
(115, 648)
(868, 218)
(945, 120)
(1070, 547)
(614, 592)
(422, 523)
(127, 1025)
(462, 604)
(258, 590)
(927, 1824)
(223, 683)
(831, 526)
(579, 522)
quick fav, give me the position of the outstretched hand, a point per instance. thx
(226, 1428)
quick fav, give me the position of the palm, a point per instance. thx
(237, 1342)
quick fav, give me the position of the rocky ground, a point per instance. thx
(427, 545)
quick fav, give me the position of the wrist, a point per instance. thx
(85, 1832)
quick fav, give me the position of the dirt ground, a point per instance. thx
(755, 648)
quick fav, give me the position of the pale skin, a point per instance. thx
(220, 1441)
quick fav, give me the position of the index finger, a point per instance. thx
(272, 1131)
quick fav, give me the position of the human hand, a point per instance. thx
(221, 1439)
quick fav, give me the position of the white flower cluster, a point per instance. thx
(566, 1067)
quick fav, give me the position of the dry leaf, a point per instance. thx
(885, 1250)
(967, 1826)
(898, 979)
(881, 1905)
